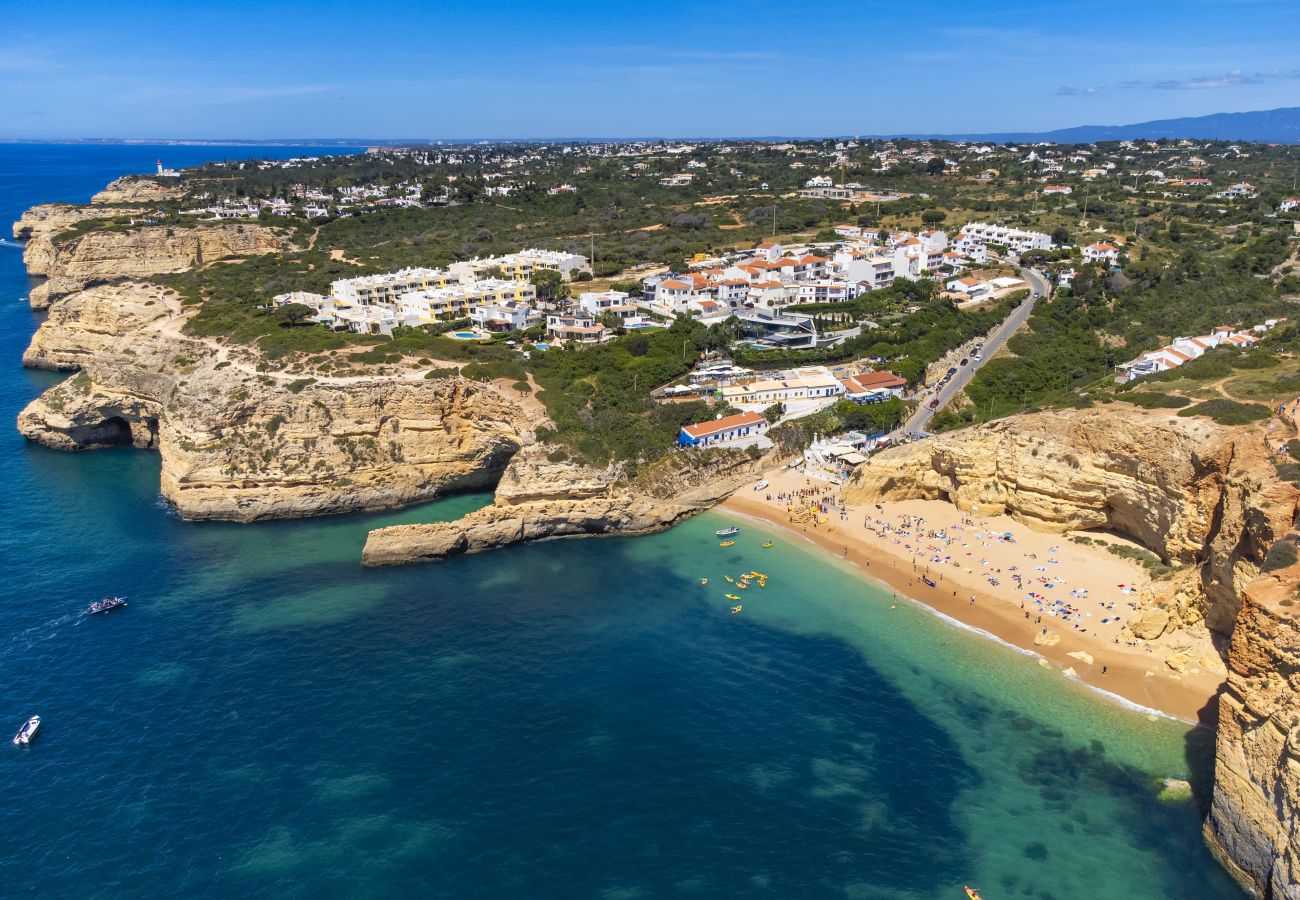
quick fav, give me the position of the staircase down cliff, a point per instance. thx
(539, 499)
(1200, 496)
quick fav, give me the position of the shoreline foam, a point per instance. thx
(1135, 679)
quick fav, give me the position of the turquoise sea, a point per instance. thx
(573, 719)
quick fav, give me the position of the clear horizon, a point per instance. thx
(236, 70)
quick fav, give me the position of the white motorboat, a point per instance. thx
(27, 732)
(727, 532)
(762, 485)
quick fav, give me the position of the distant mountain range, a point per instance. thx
(1268, 126)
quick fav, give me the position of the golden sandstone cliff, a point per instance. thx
(538, 499)
(1255, 814)
(241, 444)
(70, 259)
(1203, 498)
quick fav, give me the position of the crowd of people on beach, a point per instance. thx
(1042, 592)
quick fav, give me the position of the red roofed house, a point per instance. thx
(873, 387)
(720, 432)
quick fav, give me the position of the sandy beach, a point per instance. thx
(1038, 591)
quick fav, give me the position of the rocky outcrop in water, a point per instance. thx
(540, 498)
(1200, 496)
(1254, 821)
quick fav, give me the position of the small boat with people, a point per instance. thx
(27, 732)
(973, 893)
(108, 604)
(728, 532)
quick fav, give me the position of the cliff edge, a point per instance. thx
(539, 498)
(1202, 497)
(242, 441)
(1254, 821)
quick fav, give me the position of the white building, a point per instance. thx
(522, 265)
(1016, 239)
(367, 290)
(574, 329)
(1101, 252)
(607, 303)
(456, 301)
(508, 316)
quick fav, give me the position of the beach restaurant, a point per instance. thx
(744, 426)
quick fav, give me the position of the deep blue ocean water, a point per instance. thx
(565, 720)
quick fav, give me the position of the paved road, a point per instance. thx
(920, 419)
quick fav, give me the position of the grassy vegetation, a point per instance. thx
(1143, 557)
(1228, 412)
(1281, 555)
(1154, 400)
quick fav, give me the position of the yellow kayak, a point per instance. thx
(732, 597)
(737, 608)
(704, 581)
(727, 544)
(768, 544)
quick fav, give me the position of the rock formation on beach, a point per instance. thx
(539, 499)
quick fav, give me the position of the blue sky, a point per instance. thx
(405, 69)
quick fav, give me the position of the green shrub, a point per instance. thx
(297, 386)
(1152, 400)
(1281, 555)
(1228, 412)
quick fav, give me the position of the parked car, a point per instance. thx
(934, 404)
(964, 360)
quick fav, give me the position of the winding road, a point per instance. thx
(996, 340)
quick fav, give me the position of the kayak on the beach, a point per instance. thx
(928, 581)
